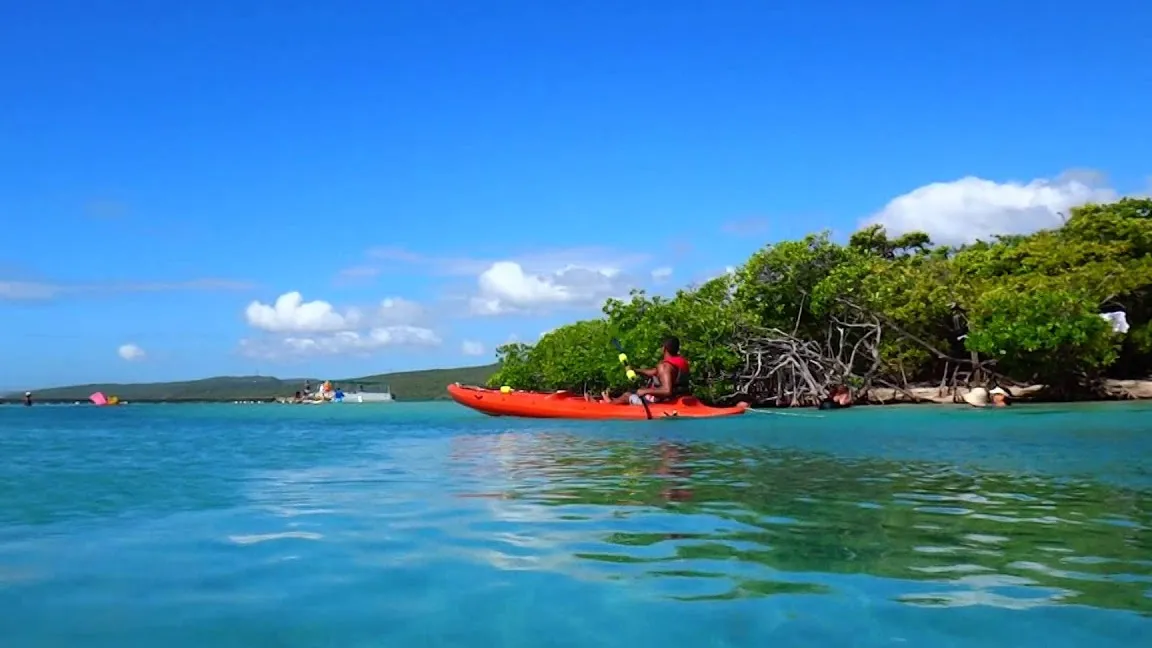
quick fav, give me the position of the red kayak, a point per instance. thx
(568, 405)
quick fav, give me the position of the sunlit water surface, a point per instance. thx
(429, 525)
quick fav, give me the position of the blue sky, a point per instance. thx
(496, 168)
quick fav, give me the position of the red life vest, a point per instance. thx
(679, 362)
(680, 382)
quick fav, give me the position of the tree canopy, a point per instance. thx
(799, 316)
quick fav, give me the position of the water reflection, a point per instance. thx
(713, 521)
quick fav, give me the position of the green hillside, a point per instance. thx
(426, 384)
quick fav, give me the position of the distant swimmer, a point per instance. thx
(839, 397)
(980, 397)
(27, 399)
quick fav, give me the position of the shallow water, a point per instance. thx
(429, 525)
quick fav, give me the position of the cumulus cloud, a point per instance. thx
(532, 283)
(472, 348)
(308, 328)
(505, 287)
(964, 210)
(341, 342)
(131, 352)
(661, 274)
(291, 314)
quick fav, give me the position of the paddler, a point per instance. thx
(667, 380)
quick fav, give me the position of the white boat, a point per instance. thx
(326, 394)
(369, 396)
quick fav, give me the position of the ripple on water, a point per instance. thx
(266, 537)
(786, 528)
(490, 532)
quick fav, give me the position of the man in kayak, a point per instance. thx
(667, 380)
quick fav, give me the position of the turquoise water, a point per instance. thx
(430, 525)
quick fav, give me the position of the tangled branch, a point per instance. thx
(784, 370)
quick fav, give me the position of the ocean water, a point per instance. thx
(430, 525)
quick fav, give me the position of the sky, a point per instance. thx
(342, 188)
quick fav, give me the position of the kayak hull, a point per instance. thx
(567, 405)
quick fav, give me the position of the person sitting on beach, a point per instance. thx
(667, 380)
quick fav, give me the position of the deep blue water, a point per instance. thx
(430, 525)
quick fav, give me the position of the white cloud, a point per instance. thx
(661, 274)
(395, 310)
(533, 283)
(301, 328)
(40, 290)
(545, 261)
(291, 314)
(131, 352)
(21, 290)
(505, 287)
(472, 348)
(342, 342)
(963, 210)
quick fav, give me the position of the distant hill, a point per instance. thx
(428, 384)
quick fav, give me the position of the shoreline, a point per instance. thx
(1116, 390)
(177, 401)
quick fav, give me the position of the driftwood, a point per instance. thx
(784, 370)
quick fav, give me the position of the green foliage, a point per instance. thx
(706, 320)
(874, 241)
(1045, 335)
(1031, 303)
(776, 283)
(515, 367)
(580, 356)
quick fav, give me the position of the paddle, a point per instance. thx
(624, 361)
